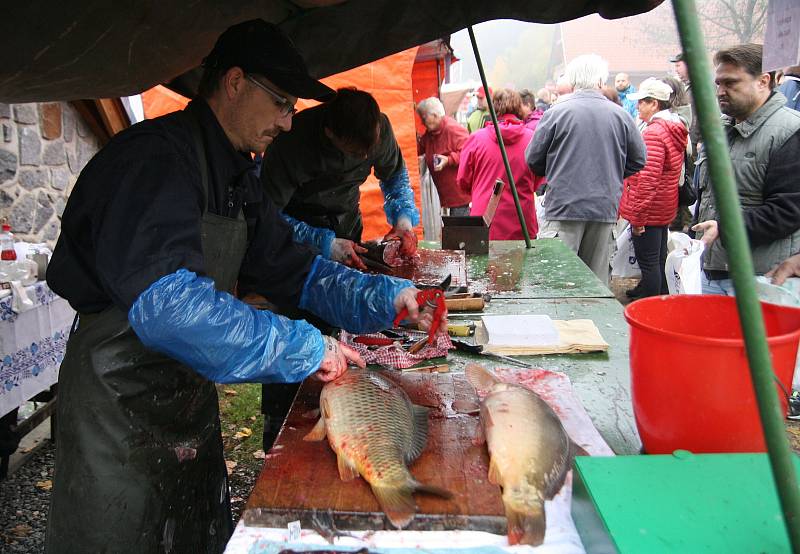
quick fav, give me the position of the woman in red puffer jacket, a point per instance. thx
(650, 198)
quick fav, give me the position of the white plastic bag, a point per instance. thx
(624, 263)
(684, 264)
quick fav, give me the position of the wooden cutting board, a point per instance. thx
(300, 479)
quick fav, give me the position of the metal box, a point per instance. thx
(471, 233)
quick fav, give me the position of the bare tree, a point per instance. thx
(724, 23)
(728, 21)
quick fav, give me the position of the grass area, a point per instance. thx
(242, 423)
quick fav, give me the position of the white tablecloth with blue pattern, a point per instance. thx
(32, 345)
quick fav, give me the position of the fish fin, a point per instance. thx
(480, 377)
(526, 526)
(468, 407)
(325, 409)
(431, 489)
(311, 414)
(397, 503)
(577, 450)
(420, 438)
(495, 478)
(346, 471)
(318, 432)
(558, 473)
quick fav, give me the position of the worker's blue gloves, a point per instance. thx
(186, 318)
(398, 198)
(349, 299)
(315, 236)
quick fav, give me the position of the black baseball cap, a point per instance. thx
(262, 48)
(677, 57)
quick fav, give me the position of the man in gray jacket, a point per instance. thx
(764, 144)
(585, 146)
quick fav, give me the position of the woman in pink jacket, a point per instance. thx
(650, 198)
(482, 164)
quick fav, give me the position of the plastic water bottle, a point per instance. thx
(7, 251)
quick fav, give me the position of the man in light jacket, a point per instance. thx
(585, 146)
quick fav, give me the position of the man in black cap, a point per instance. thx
(162, 224)
(682, 72)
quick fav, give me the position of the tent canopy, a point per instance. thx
(75, 49)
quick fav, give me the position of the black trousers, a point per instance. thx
(651, 253)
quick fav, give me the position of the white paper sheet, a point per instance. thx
(520, 330)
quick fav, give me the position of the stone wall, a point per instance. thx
(43, 148)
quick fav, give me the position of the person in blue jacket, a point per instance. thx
(161, 227)
(313, 174)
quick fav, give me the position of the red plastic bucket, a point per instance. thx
(690, 379)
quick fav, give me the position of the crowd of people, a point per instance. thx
(599, 155)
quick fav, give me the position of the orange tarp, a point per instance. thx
(426, 78)
(160, 100)
(389, 81)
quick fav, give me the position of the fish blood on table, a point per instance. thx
(529, 452)
(375, 431)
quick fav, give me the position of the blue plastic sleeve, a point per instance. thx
(398, 198)
(349, 299)
(315, 236)
(183, 316)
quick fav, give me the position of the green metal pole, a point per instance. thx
(500, 139)
(741, 265)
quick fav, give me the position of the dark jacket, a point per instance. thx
(766, 168)
(790, 88)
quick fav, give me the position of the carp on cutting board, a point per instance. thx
(530, 453)
(375, 431)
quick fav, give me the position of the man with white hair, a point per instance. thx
(585, 146)
(441, 145)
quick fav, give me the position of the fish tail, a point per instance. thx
(480, 377)
(431, 489)
(397, 503)
(526, 523)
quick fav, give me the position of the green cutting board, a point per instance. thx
(680, 503)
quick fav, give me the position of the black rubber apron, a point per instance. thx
(329, 204)
(139, 460)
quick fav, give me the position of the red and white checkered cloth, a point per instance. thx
(394, 356)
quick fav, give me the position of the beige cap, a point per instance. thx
(652, 88)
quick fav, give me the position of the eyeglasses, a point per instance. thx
(286, 107)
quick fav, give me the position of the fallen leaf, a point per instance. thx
(230, 464)
(244, 432)
(260, 454)
(252, 418)
(44, 485)
(21, 530)
(230, 392)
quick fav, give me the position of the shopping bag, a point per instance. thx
(623, 263)
(684, 264)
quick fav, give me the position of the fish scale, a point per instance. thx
(375, 430)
